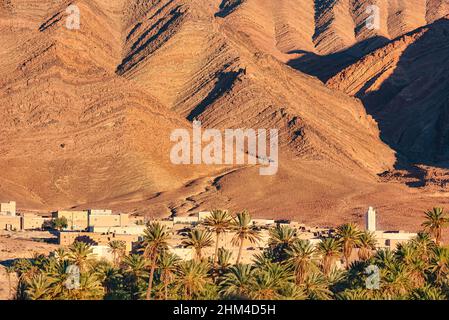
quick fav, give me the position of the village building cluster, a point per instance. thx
(11, 221)
(100, 227)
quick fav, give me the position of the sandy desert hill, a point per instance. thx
(86, 115)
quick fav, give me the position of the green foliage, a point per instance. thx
(59, 223)
(289, 268)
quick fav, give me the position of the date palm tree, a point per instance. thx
(110, 277)
(424, 245)
(281, 239)
(25, 271)
(396, 281)
(265, 286)
(262, 259)
(90, 288)
(244, 231)
(354, 294)
(366, 245)
(219, 221)
(59, 276)
(290, 291)
(60, 254)
(238, 282)
(168, 264)
(9, 271)
(301, 257)
(118, 250)
(436, 220)
(224, 258)
(316, 286)
(270, 279)
(407, 255)
(39, 287)
(81, 254)
(192, 278)
(198, 240)
(427, 292)
(280, 272)
(155, 242)
(348, 235)
(135, 267)
(385, 259)
(329, 250)
(439, 263)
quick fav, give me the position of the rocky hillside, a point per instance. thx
(86, 115)
(404, 86)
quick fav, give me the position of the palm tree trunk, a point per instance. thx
(9, 284)
(326, 264)
(114, 258)
(347, 254)
(438, 236)
(150, 280)
(240, 251)
(166, 290)
(216, 249)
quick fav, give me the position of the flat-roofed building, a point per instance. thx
(10, 223)
(108, 220)
(100, 211)
(262, 222)
(186, 220)
(386, 239)
(66, 238)
(8, 208)
(77, 220)
(137, 220)
(132, 229)
(82, 220)
(168, 224)
(390, 239)
(30, 221)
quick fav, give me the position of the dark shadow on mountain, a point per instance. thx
(143, 42)
(325, 67)
(51, 22)
(224, 83)
(227, 7)
(412, 106)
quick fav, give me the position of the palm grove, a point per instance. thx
(289, 268)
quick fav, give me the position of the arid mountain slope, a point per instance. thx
(342, 33)
(225, 81)
(86, 115)
(72, 131)
(405, 86)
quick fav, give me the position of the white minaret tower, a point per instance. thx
(370, 220)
